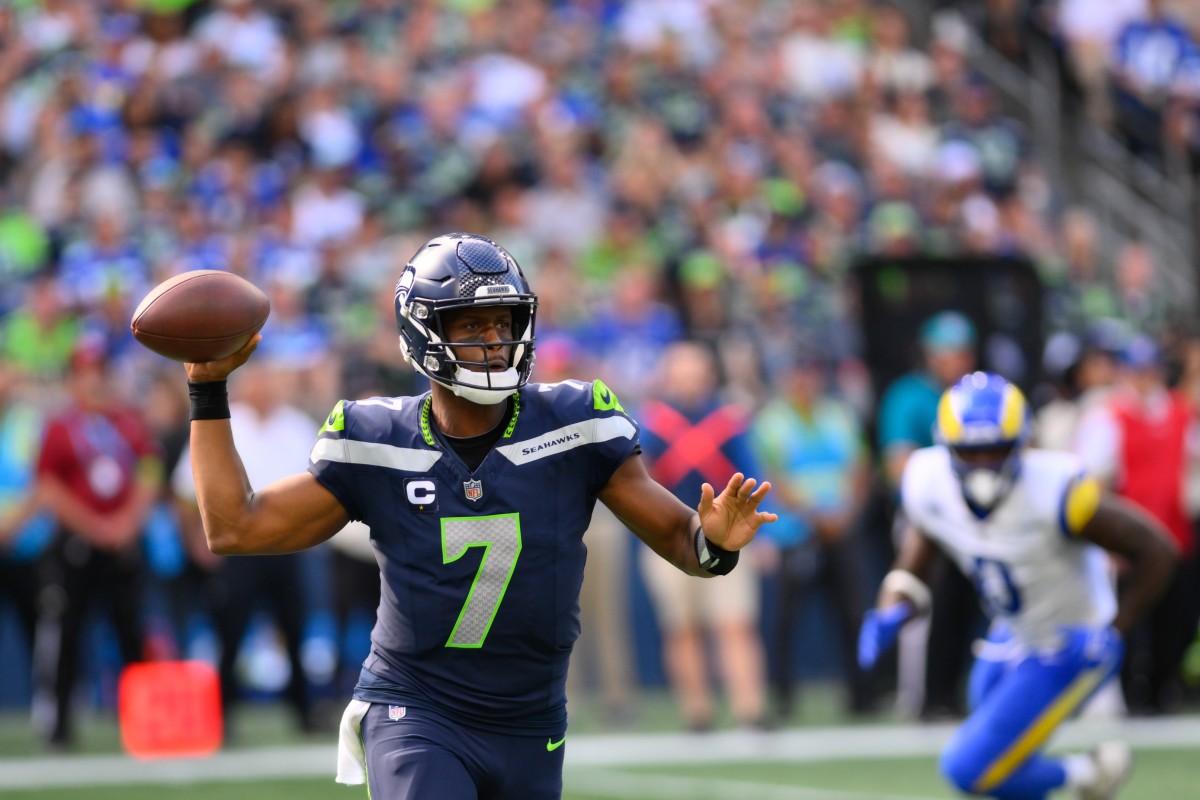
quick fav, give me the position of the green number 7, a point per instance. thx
(500, 537)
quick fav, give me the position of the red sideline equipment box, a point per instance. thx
(170, 709)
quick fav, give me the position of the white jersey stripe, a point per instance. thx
(568, 437)
(375, 454)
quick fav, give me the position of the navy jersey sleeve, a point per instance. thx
(616, 437)
(330, 463)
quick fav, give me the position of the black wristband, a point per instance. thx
(714, 560)
(209, 400)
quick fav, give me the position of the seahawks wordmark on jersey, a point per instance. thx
(481, 570)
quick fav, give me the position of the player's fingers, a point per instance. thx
(745, 490)
(735, 483)
(759, 494)
(706, 499)
(767, 516)
(248, 348)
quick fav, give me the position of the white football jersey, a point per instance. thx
(1025, 559)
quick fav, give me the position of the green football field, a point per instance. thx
(1160, 775)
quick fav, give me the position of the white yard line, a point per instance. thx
(596, 751)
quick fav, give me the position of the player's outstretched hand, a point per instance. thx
(219, 370)
(880, 627)
(731, 519)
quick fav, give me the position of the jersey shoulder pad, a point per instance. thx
(1061, 488)
(378, 431)
(572, 416)
(571, 400)
(1046, 474)
(384, 420)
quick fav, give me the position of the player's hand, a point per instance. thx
(880, 627)
(220, 370)
(731, 519)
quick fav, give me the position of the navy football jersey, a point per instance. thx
(481, 570)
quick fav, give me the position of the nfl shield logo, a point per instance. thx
(473, 489)
(396, 712)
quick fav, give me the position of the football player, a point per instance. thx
(1028, 526)
(477, 494)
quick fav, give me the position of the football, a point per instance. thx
(203, 315)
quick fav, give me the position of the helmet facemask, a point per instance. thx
(986, 474)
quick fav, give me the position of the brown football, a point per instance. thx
(203, 315)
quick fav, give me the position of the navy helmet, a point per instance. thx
(455, 271)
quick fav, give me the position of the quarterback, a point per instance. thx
(1027, 526)
(477, 494)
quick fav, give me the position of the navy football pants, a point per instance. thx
(425, 755)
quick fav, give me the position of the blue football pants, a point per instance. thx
(1016, 706)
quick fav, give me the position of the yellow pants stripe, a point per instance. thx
(1038, 732)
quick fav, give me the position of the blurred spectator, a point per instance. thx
(894, 65)
(1090, 31)
(39, 336)
(1084, 371)
(1141, 298)
(817, 63)
(244, 36)
(629, 332)
(103, 263)
(23, 536)
(691, 438)
(1148, 52)
(1138, 443)
(99, 473)
(908, 409)
(1001, 144)
(1079, 294)
(905, 134)
(812, 447)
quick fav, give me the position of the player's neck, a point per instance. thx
(458, 417)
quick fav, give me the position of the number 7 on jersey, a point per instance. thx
(500, 536)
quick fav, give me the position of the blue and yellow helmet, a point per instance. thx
(984, 422)
(982, 410)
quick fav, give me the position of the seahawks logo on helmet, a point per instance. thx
(455, 271)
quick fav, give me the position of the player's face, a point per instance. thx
(486, 325)
(984, 457)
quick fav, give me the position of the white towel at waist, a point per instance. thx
(352, 760)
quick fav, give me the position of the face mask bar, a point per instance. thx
(468, 378)
(985, 482)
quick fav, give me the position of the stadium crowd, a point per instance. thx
(664, 170)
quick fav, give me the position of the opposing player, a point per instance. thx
(477, 494)
(1028, 526)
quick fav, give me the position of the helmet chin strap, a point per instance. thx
(485, 388)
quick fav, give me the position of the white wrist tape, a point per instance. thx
(904, 582)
